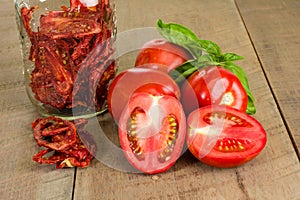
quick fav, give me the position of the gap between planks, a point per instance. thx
(292, 139)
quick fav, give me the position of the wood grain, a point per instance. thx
(274, 174)
(21, 178)
(265, 32)
(274, 27)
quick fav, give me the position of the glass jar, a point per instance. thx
(68, 54)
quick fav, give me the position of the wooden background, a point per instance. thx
(265, 32)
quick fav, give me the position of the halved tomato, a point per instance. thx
(152, 132)
(162, 55)
(125, 83)
(222, 136)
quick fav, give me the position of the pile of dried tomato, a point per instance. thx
(62, 143)
(72, 54)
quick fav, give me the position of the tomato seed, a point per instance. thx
(168, 145)
(155, 177)
(131, 135)
(233, 144)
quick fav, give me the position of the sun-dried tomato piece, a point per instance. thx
(78, 154)
(26, 18)
(74, 155)
(61, 159)
(98, 68)
(54, 133)
(61, 24)
(52, 159)
(102, 85)
(51, 80)
(70, 158)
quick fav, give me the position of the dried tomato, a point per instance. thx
(63, 145)
(67, 42)
(54, 133)
(26, 18)
(51, 80)
(61, 159)
(75, 24)
(50, 160)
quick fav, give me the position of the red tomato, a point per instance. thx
(156, 89)
(162, 55)
(152, 132)
(213, 85)
(222, 136)
(123, 86)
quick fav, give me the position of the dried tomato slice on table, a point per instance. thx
(63, 145)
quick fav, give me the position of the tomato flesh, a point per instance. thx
(213, 85)
(222, 136)
(152, 132)
(124, 85)
(162, 55)
(155, 90)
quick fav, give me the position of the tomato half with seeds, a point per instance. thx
(126, 82)
(152, 132)
(162, 55)
(222, 136)
(213, 85)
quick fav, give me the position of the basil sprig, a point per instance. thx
(181, 73)
(181, 36)
(205, 53)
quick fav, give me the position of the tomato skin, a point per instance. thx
(155, 89)
(162, 55)
(126, 82)
(213, 85)
(159, 121)
(224, 137)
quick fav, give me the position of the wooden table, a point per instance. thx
(265, 32)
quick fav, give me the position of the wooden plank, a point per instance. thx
(21, 178)
(274, 174)
(275, 32)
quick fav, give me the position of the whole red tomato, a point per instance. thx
(162, 55)
(152, 132)
(213, 85)
(222, 136)
(125, 83)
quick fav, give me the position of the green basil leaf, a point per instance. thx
(250, 107)
(215, 58)
(241, 74)
(182, 72)
(207, 60)
(210, 47)
(181, 36)
(231, 57)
